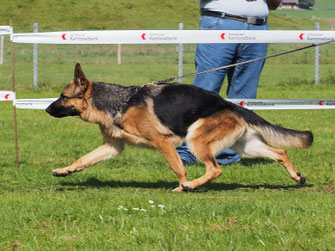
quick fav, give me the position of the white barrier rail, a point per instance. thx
(285, 104)
(35, 104)
(173, 37)
(5, 30)
(253, 104)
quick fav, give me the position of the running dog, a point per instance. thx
(161, 116)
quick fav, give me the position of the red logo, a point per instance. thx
(222, 36)
(6, 96)
(301, 36)
(143, 36)
(63, 36)
(241, 103)
(320, 102)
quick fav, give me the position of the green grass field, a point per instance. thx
(127, 203)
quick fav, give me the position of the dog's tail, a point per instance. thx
(283, 137)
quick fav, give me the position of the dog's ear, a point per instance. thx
(79, 77)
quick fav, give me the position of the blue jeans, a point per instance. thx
(242, 79)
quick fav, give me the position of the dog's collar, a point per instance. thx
(133, 91)
(122, 108)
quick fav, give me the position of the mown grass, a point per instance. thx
(252, 206)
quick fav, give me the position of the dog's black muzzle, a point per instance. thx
(57, 110)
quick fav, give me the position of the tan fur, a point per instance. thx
(142, 122)
(216, 132)
(105, 151)
(165, 146)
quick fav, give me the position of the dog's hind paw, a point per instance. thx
(302, 178)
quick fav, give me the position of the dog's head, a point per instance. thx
(73, 99)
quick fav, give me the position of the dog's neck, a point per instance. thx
(111, 98)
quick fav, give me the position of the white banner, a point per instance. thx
(5, 30)
(174, 37)
(253, 104)
(7, 96)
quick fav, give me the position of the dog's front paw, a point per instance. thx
(61, 172)
(178, 189)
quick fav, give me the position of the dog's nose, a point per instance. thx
(48, 110)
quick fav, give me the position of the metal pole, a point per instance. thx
(35, 59)
(14, 101)
(180, 57)
(317, 58)
(2, 49)
(119, 54)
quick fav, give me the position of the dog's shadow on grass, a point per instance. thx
(96, 183)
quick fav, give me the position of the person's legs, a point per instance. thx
(243, 79)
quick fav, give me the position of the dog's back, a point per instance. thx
(179, 106)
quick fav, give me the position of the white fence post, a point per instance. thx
(2, 49)
(180, 57)
(35, 59)
(119, 54)
(317, 58)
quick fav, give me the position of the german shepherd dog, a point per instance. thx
(161, 116)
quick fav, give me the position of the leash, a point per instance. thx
(241, 63)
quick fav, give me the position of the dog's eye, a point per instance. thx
(63, 96)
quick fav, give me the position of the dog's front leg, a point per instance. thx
(168, 150)
(103, 152)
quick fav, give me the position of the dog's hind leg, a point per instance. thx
(167, 149)
(213, 171)
(254, 147)
(208, 136)
(283, 159)
(103, 152)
